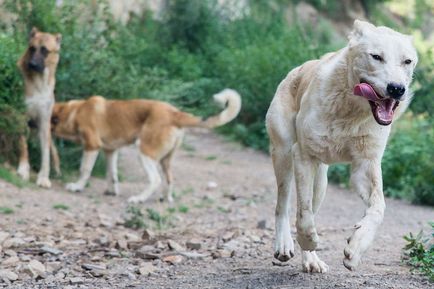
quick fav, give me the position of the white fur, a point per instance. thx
(315, 120)
(112, 173)
(87, 163)
(154, 179)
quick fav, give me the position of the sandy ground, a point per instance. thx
(218, 233)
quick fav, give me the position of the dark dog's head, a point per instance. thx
(43, 51)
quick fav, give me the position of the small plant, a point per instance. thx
(6, 210)
(211, 158)
(135, 219)
(419, 252)
(10, 177)
(183, 209)
(62, 207)
(162, 221)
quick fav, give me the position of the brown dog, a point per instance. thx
(38, 67)
(110, 124)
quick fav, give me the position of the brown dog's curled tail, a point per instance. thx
(228, 98)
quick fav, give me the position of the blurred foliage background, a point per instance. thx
(186, 50)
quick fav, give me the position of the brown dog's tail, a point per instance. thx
(228, 98)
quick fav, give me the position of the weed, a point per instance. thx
(135, 218)
(6, 210)
(419, 252)
(62, 207)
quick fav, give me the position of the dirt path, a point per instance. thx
(222, 192)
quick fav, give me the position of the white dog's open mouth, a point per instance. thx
(382, 108)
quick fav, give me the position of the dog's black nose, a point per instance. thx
(395, 90)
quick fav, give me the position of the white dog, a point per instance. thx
(337, 109)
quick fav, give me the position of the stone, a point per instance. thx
(8, 275)
(51, 250)
(121, 244)
(3, 236)
(211, 185)
(194, 244)
(148, 235)
(175, 246)
(262, 224)
(36, 268)
(173, 259)
(13, 243)
(228, 236)
(88, 266)
(75, 280)
(146, 269)
(11, 261)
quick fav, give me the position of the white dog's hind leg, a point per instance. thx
(284, 244)
(367, 182)
(151, 169)
(112, 173)
(87, 163)
(311, 263)
(45, 139)
(304, 173)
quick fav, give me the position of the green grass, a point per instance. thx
(419, 252)
(210, 158)
(6, 211)
(62, 207)
(10, 177)
(135, 218)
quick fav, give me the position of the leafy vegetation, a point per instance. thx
(194, 50)
(419, 252)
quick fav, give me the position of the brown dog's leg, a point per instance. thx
(23, 167)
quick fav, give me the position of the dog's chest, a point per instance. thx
(339, 142)
(39, 104)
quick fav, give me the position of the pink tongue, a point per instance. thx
(365, 90)
(383, 108)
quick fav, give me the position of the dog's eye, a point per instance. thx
(377, 57)
(44, 50)
(407, 61)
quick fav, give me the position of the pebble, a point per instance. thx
(13, 243)
(36, 268)
(173, 259)
(262, 224)
(175, 246)
(148, 235)
(51, 250)
(211, 185)
(75, 280)
(146, 269)
(11, 261)
(8, 275)
(194, 244)
(3, 236)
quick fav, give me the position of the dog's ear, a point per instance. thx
(58, 39)
(33, 32)
(359, 28)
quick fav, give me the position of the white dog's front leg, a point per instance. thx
(87, 163)
(367, 182)
(24, 166)
(282, 163)
(304, 173)
(45, 139)
(112, 173)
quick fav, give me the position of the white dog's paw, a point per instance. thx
(283, 245)
(311, 263)
(137, 199)
(357, 244)
(74, 187)
(43, 182)
(23, 171)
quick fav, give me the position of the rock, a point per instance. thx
(88, 266)
(11, 261)
(175, 246)
(13, 243)
(194, 244)
(10, 253)
(173, 259)
(8, 275)
(103, 241)
(75, 280)
(146, 269)
(53, 266)
(113, 253)
(121, 244)
(262, 224)
(222, 254)
(36, 269)
(148, 235)
(211, 185)
(130, 237)
(193, 255)
(228, 236)
(51, 250)
(146, 252)
(160, 245)
(105, 221)
(3, 236)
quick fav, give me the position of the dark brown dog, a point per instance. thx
(38, 67)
